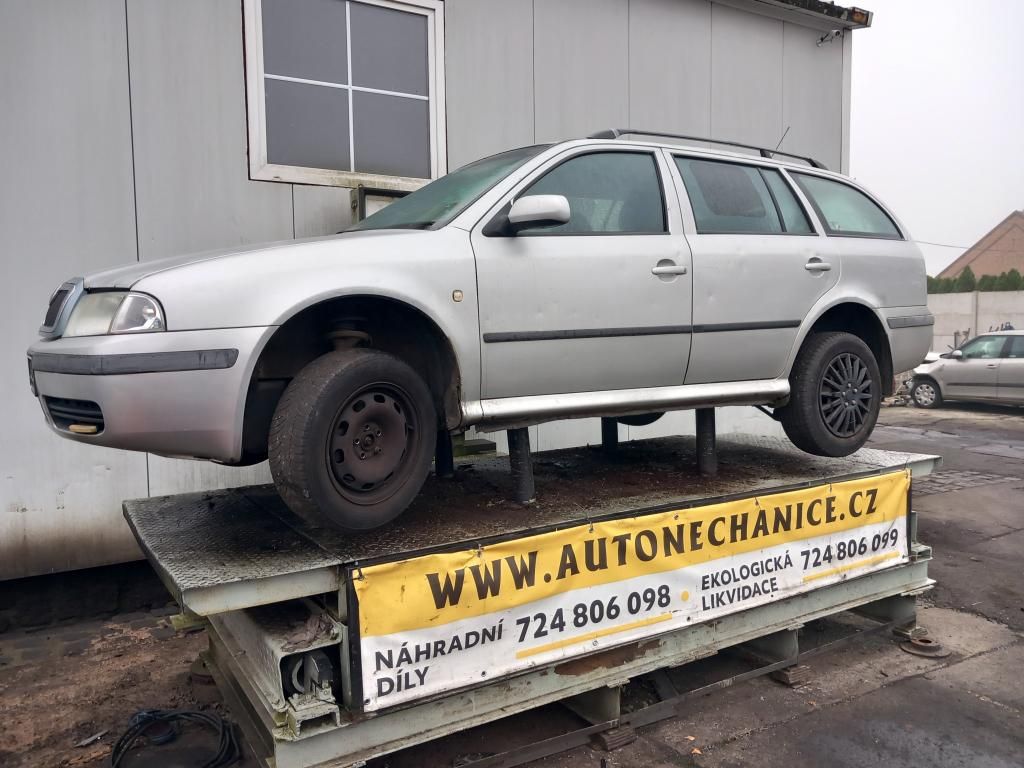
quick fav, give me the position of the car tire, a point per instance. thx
(835, 395)
(330, 454)
(926, 394)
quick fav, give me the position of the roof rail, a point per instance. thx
(614, 133)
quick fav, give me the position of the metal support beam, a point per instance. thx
(609, 435)
(707, 450)
(775, 648)
(901, 610)
(444, 456)
(522, 465)
(598, 705)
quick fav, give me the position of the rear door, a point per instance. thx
(758, 268)
(976, 374)
(1011, 370)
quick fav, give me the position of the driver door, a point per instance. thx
(976, 374)
(576, 307)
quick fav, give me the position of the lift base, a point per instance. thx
(238, 556)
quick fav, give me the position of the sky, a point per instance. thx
(937, 116)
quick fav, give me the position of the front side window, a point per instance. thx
(441, 201)
(344, 91)
(845, 211)
(730, 198)
(608, 192)
(983, 347)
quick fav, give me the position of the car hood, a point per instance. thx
(127, 276)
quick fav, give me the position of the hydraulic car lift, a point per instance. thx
(331, 649)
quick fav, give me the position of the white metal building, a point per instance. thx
(137, 129)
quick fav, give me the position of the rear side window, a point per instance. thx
(1016, 348)
(728, 198)
(608, 193)
(845, 211)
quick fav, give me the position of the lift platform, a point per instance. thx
(333, 648)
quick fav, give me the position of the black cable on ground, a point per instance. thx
(227, 743)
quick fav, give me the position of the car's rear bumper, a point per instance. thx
(910, 335)
(172, 393)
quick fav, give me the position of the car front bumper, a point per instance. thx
(172, 393)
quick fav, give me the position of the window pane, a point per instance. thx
(845, 210)
(794, 218)
(392, 135)
(307, 125)
(1016, 347)
(389, 49)
(607, 192)
(728, 198)
(305, 39)
(983, 347)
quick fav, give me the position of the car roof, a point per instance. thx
(1002, 333)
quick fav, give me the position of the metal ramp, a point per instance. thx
(280, 592)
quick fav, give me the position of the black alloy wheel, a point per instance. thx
(846, 393)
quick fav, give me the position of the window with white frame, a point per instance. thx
(345, 92)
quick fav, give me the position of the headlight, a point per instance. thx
(105, 312)
(138, 313)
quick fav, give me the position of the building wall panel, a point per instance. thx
(670, 66)
(188, 116)
(489, 73)
(66, 208)
(581, 79)
(812, 95)
(746, 76)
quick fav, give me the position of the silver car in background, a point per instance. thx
(593, 277)
(989, 367)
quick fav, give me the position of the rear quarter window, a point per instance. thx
(846, 211)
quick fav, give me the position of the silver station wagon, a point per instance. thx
(606, 276)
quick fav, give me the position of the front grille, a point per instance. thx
(56, 303)
(66, 412)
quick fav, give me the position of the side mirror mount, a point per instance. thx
(536, 211)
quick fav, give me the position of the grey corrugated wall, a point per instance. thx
(124, 137)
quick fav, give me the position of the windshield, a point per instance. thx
(442, 200)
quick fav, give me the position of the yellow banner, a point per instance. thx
(437, 589)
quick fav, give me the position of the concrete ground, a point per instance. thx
(866, 703)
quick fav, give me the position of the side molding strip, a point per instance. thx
(910, 321)
(653, 330)
(143, 362)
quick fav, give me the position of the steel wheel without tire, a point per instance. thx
(352, 439)
(925, 394)
(835, 394)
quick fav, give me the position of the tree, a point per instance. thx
(1010, 281)
(987, 283)
(965, 281)
(932, 284)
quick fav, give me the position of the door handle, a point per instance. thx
(992, 365)
(673, 269)
(817, 265)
